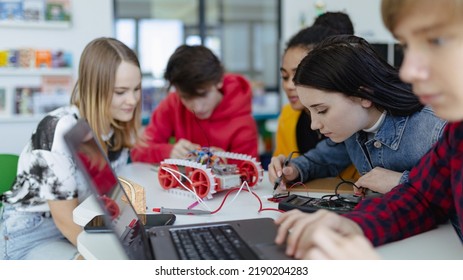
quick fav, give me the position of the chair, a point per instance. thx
(8, 168)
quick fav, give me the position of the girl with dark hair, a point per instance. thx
(293, 133)
(371, 118)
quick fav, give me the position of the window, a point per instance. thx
(158, 39)
(244, 34)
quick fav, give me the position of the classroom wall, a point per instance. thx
(90, 19)
(365, 16)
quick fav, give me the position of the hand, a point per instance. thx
(379, 180)
(330, 245)
(298, 228)
(182, 148)
(276, 170)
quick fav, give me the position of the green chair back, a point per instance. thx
(8, 168)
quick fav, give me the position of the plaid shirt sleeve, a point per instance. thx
(431, 195)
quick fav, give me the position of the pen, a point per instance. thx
(277, 183)
(278, 180)
(163, 210)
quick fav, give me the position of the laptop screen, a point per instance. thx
(105, 185)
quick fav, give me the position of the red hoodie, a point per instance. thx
(230, 127)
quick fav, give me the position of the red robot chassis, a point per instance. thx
(205, 172)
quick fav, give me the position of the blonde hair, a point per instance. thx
(393, 10)
(94, 90)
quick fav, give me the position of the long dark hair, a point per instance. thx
(349, 65)
(338, 21)
(307, 38)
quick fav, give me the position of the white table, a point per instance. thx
(440, 243)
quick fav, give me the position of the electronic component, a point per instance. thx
(278, 197)
(204, 173)
(311, 204)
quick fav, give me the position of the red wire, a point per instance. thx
(297, 184)
(253, 193)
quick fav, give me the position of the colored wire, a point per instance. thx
(244, 184)
(170, 170)
(198, 199)
(297, 184)
(253, 193)
(343, 181)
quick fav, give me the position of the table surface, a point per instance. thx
(440, 243)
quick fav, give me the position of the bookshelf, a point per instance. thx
(28, 70)
(35, 81)
(89, 19)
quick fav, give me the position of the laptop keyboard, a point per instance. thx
(210, 243)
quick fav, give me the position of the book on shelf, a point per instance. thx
(57, 85)
(11, 10)
(13, 58)
(4, 54)
(43, 59)
(23, 100)
(58, 10)
(60, 59)
(34, 10)
(3, 102)
(43, 103)
(26, 58)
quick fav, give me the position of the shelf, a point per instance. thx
(21, 119)
(36, 24)
(35, 71)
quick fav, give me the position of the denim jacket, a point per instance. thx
(398, 145)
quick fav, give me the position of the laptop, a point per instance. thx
(237, 239)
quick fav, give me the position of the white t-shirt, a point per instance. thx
(46, 169)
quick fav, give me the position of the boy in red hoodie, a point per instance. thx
(208, 109)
